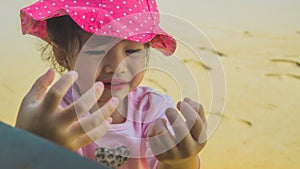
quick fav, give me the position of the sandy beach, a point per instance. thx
(259, 47)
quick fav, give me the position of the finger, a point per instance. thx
(193, 120)
(98, 117)
(84, 103)
(197, 107)
(58, 90)
(177, 123)
(154, 142)
(164, 136)
(40, 86)
(87, 138)
(92, 121)
(183, 137)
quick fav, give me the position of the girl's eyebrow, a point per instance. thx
(96, 41)
(95, 52)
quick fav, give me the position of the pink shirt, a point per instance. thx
(129, 139)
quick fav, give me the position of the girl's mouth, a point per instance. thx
(115, 84)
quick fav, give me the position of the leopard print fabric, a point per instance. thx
(112, 157)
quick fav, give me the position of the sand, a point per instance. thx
(259, 43)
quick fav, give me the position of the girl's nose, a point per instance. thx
(115, 63)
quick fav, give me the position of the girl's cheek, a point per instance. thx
(84, 84)
(89, 69)
(88, 74)
(138, 70)
(136, 65)
(137, 79)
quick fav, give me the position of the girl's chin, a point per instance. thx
(108, 94)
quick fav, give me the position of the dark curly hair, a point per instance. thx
(65, 33)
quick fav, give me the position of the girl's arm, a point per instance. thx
(190, 137)
(42, 114)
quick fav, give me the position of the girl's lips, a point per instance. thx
(115, 84)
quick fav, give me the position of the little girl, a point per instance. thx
(98, 108)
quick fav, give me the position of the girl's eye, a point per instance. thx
(96, 52)
(128, 52)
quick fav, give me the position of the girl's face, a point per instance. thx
(119, 64)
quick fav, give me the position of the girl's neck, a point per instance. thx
(120, 114)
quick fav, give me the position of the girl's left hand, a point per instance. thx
(181, 150)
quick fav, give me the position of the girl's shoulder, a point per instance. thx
(146, 99)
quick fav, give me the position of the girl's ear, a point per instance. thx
(60, 55)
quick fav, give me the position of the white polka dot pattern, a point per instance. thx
(135, 20)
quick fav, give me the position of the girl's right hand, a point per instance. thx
(42, 114)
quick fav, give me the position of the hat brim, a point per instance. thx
(138, 27)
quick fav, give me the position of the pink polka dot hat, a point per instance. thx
(134, 20)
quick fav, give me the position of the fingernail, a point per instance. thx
(48, 71)
(186, 99)
(99, 86)
(109, 120)
(73, 74)
(115, 100)
(179, 105)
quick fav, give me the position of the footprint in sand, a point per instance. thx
(221, 54)
(286, 61)
(271, 106)
(196, 62)
(274, 75)
(288, 74)
(247, 33)
(293, 76)
(280, 75)
(243, 121)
